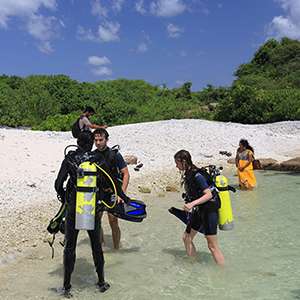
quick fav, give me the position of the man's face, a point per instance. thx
(100, 142)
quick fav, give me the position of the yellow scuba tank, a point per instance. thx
(226, 221)
(86, 196)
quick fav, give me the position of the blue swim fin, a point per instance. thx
(182, 215)
(135, 211)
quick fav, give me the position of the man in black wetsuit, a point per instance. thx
(69, 169)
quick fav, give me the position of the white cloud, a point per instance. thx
(167, 8)
(179, 82)
(288, 25)
(45, 47)
(102, 71)
(117, 5)
(205, 11)
(107, 32)
(183, 53)
(145, 36)
(142, 48)
(174, 31)
(99, 10)
(99, 62)
(139, 7)
(200, 53)
(102, 11)
(40, 27)
(21, 8)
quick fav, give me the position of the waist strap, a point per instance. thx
(87, 189)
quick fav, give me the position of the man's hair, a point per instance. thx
(85, 140)
(89, 109)
(101, 131)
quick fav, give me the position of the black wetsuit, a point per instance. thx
(205, 214)
(68, 169)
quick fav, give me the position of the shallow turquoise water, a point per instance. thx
(261, 252)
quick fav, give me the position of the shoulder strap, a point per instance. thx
(206, 175)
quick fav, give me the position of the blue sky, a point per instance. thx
(161, 41)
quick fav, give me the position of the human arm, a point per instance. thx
(237, 158)
(125, 182)
(202, 186)
(207, 195)
(125, 174)
(88, 123)
(95, 126)
(126, 177)
(61, 178)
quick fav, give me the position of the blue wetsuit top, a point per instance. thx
(200, 182)
(120, 161)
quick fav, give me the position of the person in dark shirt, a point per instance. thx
(68, 171)
(204, 212)
(119, 169)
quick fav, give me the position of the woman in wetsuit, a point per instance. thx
(204, 212)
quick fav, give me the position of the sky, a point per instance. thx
(164, 42)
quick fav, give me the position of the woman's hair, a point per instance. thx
(245, 143)
(185, 155)
(85, 140)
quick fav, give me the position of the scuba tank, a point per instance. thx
(86, 196)
(226, 221)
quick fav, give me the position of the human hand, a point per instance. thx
(120, 200)
(188, 206)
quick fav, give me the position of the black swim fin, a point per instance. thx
(135, 211)
(57, 223)
(182, 215)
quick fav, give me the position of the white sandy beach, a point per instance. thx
(30, 161)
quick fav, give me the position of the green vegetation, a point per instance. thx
(266, 89)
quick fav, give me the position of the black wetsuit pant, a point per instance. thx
(71, 235)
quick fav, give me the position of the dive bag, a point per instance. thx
(76, 128)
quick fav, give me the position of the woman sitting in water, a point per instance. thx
(243, 162)
(204, 212)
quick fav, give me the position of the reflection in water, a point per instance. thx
(261, 252)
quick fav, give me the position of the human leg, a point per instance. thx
(210, 224)
(98, 258)
(71, 235)
(102, 232)
(115, 231)
(214, 249)
(188, 243)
